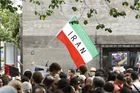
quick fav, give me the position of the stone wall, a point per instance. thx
(40, 44)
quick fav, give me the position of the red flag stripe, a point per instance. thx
(78, 60)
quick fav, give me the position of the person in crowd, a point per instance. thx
(8, 89)
(62, 75)
(128, 72)
(89, 81)
(118, 83)
(108, 87)
(75, 84)
(101, 73)
(28, 74)
(54, 69)
(40, 89)
(5, 79)
(70, 74)
(27, 87)
(62, 83)
(82, 79)
(37, 78)
(1, 82)
(111, 77)
(24, 79)
(17, 85)
(98, 83)
(88, 85)
(84, 70)
(58, 91)
(48, 82)
(127, 86)
(92, 71)
(136, 82)
(68, 89)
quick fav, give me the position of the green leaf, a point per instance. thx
(37, 2)
(125, 3)
(122, 13)
(74, 9)
(137, 16)
(76, 0)
(89, 15)
(85, 22)
(108, 1)
(31, 0)
(108, 29)
(36, 12)
(132, 7)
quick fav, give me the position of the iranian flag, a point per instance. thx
(78, 43)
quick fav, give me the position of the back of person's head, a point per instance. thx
(24, 79)
(8, 89)
(40, 89)
(74, 81)
(28, 74)
(62, 75)
(83, 69)
(27, 87)
(101, 73)
(68, 89)
(58, 91)
(17, 85)
(109, 87)
(120, 76)
(134, 75)
(48, 81)
(111, 76)
(72, 71)
(37, 77)
(98, 82)
(5, 79)
(62, 83)
(54, 67)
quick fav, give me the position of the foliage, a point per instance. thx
(9, 22)
(114, 12)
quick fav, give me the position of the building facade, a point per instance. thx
(40, 45)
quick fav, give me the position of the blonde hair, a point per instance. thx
(16, 84)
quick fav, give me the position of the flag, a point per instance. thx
(11, 70)
(78, 43)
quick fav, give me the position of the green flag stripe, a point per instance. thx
(85, 38)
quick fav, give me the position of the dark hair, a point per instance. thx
(48, 81)
(98, 81)
(72, 71)
(120, 77)
(24, 78)
(101, 73)
(109, 87)
(62, 75)
(83, 69)
(28, 74)
(74, 81)
(111, 76)
(37, 77)
(62, 83)
(54, 67)
(68, 89)
(134, 75)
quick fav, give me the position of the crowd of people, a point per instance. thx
(86, 81)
